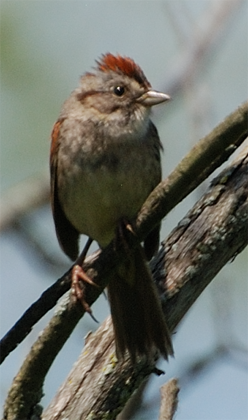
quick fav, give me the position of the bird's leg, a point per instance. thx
(78, 275)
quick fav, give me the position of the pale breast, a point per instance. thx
(107, 185)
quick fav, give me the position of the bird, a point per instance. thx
(105, 160)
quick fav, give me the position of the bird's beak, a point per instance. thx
(152, 97)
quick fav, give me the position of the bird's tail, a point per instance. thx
(138, 320)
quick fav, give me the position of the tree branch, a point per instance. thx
(211, 234)
(206, 156)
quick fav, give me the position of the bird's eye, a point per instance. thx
(119, 90)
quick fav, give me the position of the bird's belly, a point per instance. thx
(94, 201)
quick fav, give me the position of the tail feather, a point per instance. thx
(137, 315)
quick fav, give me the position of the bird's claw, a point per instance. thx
(78, 275)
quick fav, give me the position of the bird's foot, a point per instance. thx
(78, 276)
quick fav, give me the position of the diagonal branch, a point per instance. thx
(206, 156)
(211, 234)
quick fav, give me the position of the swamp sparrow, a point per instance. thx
(105, 161)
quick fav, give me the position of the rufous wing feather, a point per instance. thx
(67, 235)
